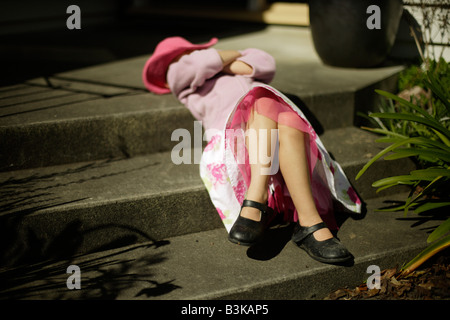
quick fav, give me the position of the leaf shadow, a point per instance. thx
(104, 276)
(35, 250)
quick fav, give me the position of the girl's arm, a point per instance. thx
(191, 71)
(260, 62)
(233, 66)
(253, 63)
(228, 56)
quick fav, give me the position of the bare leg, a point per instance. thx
(294, 167)
(293, 159)
(257, 190)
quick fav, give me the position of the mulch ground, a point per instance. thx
(431, 281)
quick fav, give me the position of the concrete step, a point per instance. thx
(58, 131)
(85, 207)
(104, 111)
(206, 266)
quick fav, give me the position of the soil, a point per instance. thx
(431, 281)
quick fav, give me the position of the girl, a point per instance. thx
(263, 158)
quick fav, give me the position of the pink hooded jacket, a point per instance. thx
(197, 81)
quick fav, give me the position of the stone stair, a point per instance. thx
(87, 179)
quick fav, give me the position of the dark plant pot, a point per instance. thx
(341, 36)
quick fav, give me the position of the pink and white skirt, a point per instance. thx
(225, 165)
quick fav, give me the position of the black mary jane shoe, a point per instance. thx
(248, 232)
(327, 251)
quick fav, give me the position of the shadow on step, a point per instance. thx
(38, 243)
(35, 267)
(103, 276)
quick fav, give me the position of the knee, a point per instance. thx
(287, 132)
(289, 137)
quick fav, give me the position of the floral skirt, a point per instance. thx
(225, 165)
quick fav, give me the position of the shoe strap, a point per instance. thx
(303, 232)
(260, 206)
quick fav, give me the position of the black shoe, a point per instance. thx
(327, 251)
(248, 232)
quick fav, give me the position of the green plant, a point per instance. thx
(419, 128)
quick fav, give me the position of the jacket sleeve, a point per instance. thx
(191, 71)
(262, 63)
